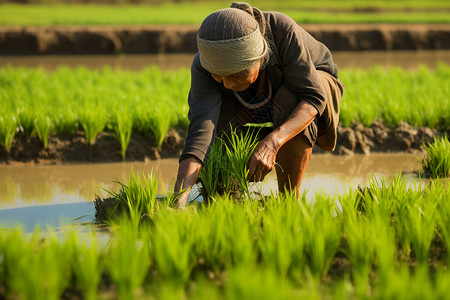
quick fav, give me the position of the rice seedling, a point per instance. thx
(282, 242)
(123, 126)
(210, 244)
(420, 228)
(238, 148)
(93, 120)
(437, 160)
(56, 12)
(43, 126)
(210, 174)
(8, 129)
(256, 283)
(36, 269)
(88, 263)
(137, 196)
(322, 232)
(171, 245)
(440, 194)
(128, 260)
(361, 245)
(26, 119)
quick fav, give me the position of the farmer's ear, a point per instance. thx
(243, 6)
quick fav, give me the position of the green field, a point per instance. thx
(387, 241)
(36, 103)
(123, 13)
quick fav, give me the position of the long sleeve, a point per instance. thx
(204, 108)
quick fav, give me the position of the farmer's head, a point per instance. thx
(232, 45)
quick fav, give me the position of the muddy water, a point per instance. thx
(362, 59)
(63, 194)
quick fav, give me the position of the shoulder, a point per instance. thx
(279, 22)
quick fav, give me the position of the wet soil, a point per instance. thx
(74, 147)
(182, 39)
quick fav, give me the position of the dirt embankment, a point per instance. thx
(74, 147)
(182, 39)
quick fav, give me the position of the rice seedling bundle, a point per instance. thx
(226, 170)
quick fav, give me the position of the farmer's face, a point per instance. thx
(239, 81)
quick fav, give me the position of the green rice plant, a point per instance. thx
(193, 12)
(44, 127)
(420, 228)
(8, 129)
(36, 269)
(403, 284)
(171, 245)
(239, 148)
(440, 193)
(257, 283)
(322, 233)
(361, 246)
(137, 196)
(437, 160)
(415, 217)
(26, 118)
(123, 126)
(93, 120)
(160, 122)
(210, 243)
(282, 242)
(210, 174)
(88, 263)
(242, 226)
(128, 260)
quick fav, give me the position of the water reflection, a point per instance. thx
(30, 185)
(57, 195)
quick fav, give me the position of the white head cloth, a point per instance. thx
(226, 57)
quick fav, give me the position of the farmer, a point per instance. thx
(258, 67)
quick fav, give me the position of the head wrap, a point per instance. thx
(229, 56)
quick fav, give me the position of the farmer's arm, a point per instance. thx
(188, 172)
(302, 79)
(265, 153)
(204, 107)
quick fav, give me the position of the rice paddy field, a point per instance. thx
(388, 238)
(53, 12)
(150, 102)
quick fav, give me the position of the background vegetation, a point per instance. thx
(56, 12)
(36, 103)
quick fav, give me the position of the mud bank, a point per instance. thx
(74, 147)
(182, 39)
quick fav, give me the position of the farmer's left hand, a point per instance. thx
(262, 160)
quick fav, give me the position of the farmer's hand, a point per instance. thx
(262, 160)
(188, 172)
